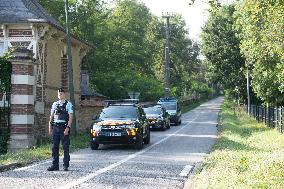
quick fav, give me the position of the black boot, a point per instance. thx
(65, 168)
(53, 168)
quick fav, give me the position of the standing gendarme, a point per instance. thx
(59, 127)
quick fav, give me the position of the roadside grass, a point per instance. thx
(247, 154)
(42, 152)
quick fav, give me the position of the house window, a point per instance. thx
(20, 33)
(2, 50)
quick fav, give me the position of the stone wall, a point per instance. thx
(84, 116)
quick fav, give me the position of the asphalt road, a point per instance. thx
(164, 163)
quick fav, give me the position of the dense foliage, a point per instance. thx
(221, 49)
(129, 46)
(261, 25)
(5, 76)
(248, 35)
(5, 85)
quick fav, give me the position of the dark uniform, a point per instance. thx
(61, 111)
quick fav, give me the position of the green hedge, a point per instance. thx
(4, 137)
(5, 86)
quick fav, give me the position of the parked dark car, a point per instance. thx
(172, 106)
(158, 117)
(120, 123)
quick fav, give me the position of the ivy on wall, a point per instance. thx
(5, 86)
(5, 75)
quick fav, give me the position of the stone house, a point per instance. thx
(25, 25)
(91, 102)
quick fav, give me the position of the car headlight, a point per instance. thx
(97, 127)
(160, 120)
(132, 126)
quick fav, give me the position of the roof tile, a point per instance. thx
(25, 11)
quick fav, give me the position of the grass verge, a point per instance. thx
(246, 155)
(42, 152)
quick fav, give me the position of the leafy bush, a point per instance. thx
(5, 85)
(117, 83)
(5, 76)
(4, 137)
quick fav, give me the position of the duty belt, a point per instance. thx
(58, 124)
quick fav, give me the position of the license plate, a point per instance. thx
(113, 134)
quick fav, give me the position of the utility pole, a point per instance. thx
(70, 68)
(248, 91)
(167, 56)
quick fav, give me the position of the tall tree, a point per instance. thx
(128, 54)
(261, 25)
(221, 49)
(129, 47)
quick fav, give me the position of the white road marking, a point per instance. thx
(30, 166)
(207, 122)
(108, 168)
(195, 136)
(186, 170)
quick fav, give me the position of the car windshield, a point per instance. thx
(152, 110)
(119, 112)
(170, 106)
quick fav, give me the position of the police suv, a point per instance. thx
(173, 108)
(121, 122)
(158, 117)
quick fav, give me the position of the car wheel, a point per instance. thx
(147, 139)
(164, 127)
(94, 146)
(139, 141)
(179, 122)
